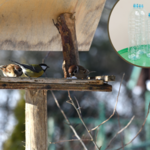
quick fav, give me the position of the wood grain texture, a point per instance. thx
(94, 80)
(54, 84)
(58, 84)
(27, 24)
(59, 87)
(36, 120)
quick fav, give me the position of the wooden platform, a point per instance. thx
(58, 84)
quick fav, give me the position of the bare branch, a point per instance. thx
(73, 104)
(120, 131)
(78, 105)
(68, 102)
(71, 140)
(74, 131)
(113, 110)
(96, 137)
(139, 130)
(43, 60)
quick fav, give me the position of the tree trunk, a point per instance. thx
(66, 26)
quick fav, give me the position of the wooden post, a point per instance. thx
(36, 120)
(66, 26)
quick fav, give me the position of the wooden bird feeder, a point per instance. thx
(27, 25)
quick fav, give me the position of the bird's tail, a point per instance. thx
(91, 72)
(14, 62)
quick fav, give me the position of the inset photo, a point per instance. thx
(129, 31)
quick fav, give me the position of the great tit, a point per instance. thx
(32, 70)
(11, 70)
(79, 72)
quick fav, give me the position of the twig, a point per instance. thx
(71, 140)
(73, 104)
(96, 136)
(139, 130)
(43, 60)
(74, 131)
(79, 108)
(113, 110)
(120, 131)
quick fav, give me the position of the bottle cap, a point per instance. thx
(137, 5)
(140, 5)
(134, 5)
(149, 14)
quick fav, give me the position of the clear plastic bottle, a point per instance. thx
(134, 33)
(143, 29)
(148, 35)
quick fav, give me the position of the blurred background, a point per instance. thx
(96, 106)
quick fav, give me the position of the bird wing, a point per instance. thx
(16, 62)
(30, 67)
(37, 68)
(82, 69)
(85, 70)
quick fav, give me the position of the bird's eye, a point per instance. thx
(20, 70)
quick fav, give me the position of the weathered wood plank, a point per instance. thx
(50, 80)
(58, 84)
(27, 24)
(36, 120)
(94, 80)
(55, 86)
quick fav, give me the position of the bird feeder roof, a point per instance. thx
(27, 24)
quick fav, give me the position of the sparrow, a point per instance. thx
(11, 70)
(34, 70)
(79, 72)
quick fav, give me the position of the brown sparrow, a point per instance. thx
(79, 72)
(11, 70)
